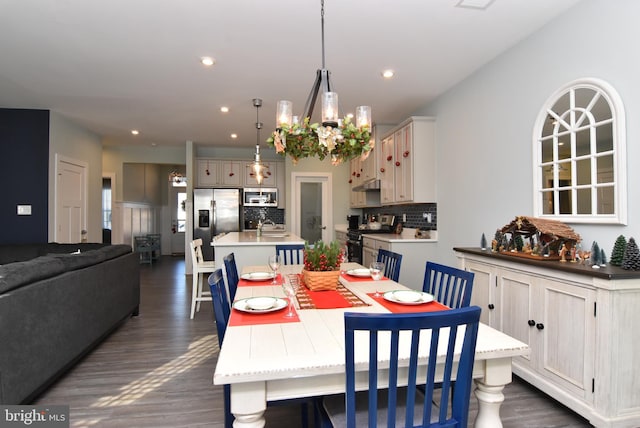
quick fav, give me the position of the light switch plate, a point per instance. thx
(24, 209)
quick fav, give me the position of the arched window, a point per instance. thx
(579, 152)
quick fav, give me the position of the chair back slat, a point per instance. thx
(221, 309)
(393, 334)
(449, 285)
(392, 262)
(231, 269)
(292, 254)
(196, 251)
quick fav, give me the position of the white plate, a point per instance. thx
(408, 297)
(249, 305)
(363, 273)
(257, 276)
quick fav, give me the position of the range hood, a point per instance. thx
(368, 186)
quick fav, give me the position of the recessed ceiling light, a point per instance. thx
(224, 109)
(207, 61)
(135, 132)
(234, 136)
(387, 74)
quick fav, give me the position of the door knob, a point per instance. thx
(540, 326)
(491, 306)
(531, 323)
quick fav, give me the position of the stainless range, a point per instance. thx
(354, 242)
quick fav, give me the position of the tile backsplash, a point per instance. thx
(255, 213)
(413, 212)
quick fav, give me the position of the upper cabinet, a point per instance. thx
(367, 170)
(270, 178)
(234, 173)
(207, 172)
(407, 168)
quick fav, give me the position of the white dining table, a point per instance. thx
(265, 362)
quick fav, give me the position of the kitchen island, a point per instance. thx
(249, 248)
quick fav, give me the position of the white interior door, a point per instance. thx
(177, 204)
(71, 200)
(312, 206)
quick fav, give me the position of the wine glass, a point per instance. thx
(274, 264)
(290, 288)
(376, 269)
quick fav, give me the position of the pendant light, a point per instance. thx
(259, 169)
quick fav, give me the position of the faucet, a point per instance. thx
(259, 228)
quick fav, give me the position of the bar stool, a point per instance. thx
(200, 268)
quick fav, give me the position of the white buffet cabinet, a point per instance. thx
(581, 324)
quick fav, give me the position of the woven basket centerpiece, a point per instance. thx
(322, 265)
(321, 281)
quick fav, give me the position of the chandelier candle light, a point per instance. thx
(341, 139)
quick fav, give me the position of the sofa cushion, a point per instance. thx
(16, 274)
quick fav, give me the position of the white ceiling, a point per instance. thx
(116, 65)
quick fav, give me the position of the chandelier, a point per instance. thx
(259, 170)
(341, 139)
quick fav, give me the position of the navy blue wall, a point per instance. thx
(24, 153)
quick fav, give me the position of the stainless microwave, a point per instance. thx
(260, 197)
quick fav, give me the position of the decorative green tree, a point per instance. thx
(631, 259)
(497, 240)
(617, 253)
(595, 255)
(603, 258)
(519, 242)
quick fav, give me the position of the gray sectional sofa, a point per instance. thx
(56, 306)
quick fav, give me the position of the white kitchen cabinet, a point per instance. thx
(408, 164)
(231, 173)
(208, 172)
(270, 178)
(578, 323)
(386, 171)
(370, 247)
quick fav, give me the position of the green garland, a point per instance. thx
(312, 140)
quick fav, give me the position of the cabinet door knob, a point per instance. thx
(531, 323)
(491, 306)
(540, 326)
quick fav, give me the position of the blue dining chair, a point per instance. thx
(392, 262)
(448, 285)
(222, 312)
(232, 275)
(292, 254)
(392, 405)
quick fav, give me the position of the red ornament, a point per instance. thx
(405, 154)
(350, 181)
(389, 158)
(381, 169)
(231, 174)
(397, 163)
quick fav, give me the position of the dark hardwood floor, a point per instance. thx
(156, 371)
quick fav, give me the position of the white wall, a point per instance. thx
(485, 124)
(72, 141)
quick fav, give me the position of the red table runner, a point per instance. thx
(247, 283)
(398, 308)
(239, 318)
(340, 298)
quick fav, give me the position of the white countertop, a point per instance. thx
(407, 235)
(251, 238)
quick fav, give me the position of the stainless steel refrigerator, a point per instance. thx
(215, 211)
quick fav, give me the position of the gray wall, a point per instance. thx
(485, 124)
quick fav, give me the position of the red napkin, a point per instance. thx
(398, 308)
(239, 318)
(352, 278)
(247, 283)
(328, 299)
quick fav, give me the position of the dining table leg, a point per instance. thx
(248, 404)
(497, 373)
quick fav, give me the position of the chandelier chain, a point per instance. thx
(322, 30)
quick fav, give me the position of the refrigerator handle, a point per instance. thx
(213, 209)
